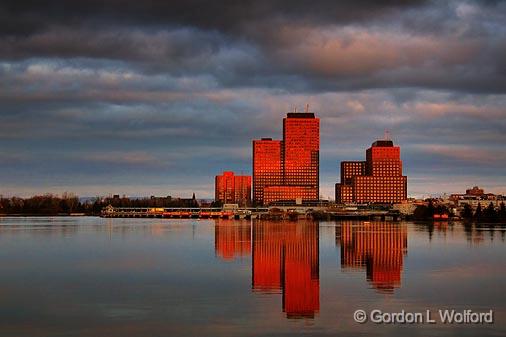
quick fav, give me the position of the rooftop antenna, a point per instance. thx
(307, 107)
(387, 134)
(295, 109)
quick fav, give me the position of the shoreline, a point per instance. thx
(16, 215)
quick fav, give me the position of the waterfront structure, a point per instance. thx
(232, 189)
(378, 179)
(288, 169)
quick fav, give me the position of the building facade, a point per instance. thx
(267, 166)
(288, 169)
(378, 179)
(232, 189)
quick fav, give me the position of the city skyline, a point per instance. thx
(156, 99)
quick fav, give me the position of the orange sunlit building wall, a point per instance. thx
(301, 141)
(379, 179)
(377, 247)
(232, 189)
(294, 172)
(267, 166)
(232, 239)
(286, 259)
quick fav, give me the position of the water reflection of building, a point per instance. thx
(286, 259)
(232, 239)
(379, 247)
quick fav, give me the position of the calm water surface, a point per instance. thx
(152, 277)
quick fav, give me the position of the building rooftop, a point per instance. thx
(383, 143)
(300, 115)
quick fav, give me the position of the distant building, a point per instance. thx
(288, 170)
(232, 189)
(476, 196)
(379, 179)
(476, 191)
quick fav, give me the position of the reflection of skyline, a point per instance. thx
(232, 239)
(286, 258)
(379, 247)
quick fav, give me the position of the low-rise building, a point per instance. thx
(232, 189)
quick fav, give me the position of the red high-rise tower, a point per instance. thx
(288, 170)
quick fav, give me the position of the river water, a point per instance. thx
(87, 276)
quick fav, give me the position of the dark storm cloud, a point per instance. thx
(298, 47)
(27, 17)
(144, 97)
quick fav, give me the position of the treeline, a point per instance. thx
(150, 202)
(47, 204)
(487, 214)
(66, 204)
(423, 212)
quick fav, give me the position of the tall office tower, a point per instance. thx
(298, 162)
(379, 179)
(233, 189)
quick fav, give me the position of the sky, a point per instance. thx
(157, 97)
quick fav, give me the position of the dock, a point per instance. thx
(181, 212)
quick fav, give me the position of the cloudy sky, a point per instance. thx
(156, 97)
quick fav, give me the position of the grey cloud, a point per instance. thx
(20, 18)
(95, 96)
(296, 47)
